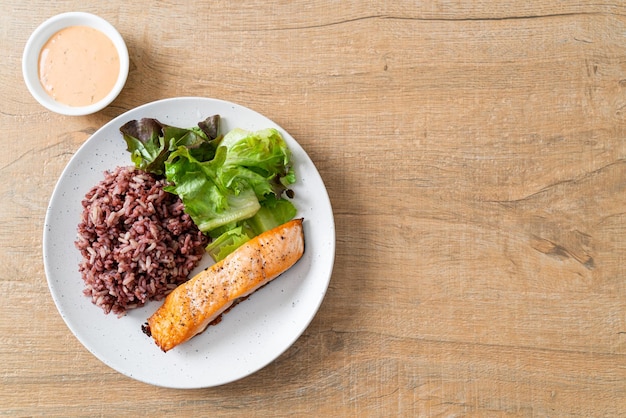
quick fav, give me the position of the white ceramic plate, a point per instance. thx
(251, 335)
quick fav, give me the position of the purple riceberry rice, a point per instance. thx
(137, 243)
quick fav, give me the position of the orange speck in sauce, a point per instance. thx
(78, 66)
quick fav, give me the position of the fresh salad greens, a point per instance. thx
(231, 185)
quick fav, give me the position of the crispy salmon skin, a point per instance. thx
(193, 305)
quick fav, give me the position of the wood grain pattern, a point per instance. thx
(475, 158)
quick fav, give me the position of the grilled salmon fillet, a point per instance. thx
(193, 305)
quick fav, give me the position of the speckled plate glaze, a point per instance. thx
(251, 335)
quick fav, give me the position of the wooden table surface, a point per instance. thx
(475, 159)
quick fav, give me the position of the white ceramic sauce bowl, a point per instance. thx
(30, 60)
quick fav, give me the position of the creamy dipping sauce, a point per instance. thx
(78, 66)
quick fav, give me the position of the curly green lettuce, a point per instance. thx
(232, 186)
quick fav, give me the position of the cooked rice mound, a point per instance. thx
(137, 243)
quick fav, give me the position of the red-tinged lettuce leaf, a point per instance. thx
(151, 142)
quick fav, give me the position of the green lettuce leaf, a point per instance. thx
(206, 200)
(228, 242)
(273, 212)
(260, 160)
(229, 237)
